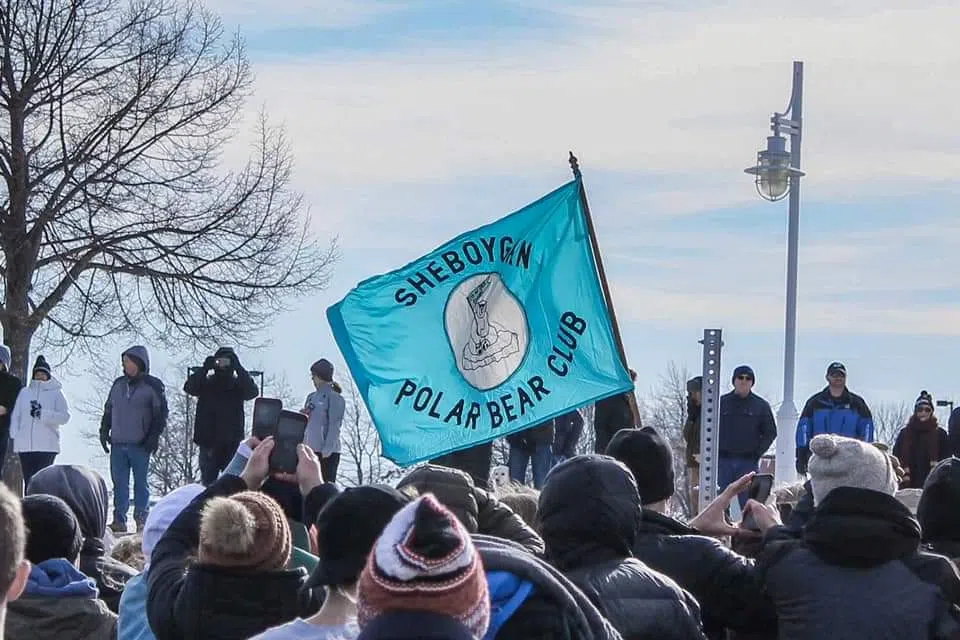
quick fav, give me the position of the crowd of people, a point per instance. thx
(591, 550)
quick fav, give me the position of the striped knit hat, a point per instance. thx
(425, 561)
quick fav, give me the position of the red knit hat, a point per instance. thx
(425, 561)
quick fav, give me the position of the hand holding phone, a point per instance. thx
(291, 427)
(760, 488)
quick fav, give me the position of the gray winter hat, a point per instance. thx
(845, 462)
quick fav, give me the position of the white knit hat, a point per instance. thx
(845, 462)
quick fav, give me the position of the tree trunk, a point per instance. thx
(17, 336)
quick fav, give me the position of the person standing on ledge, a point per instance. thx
(747, 429)
(324, 408)
(613, 414)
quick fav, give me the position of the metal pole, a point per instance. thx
(604, 285)
(787, 415)
(709, 415)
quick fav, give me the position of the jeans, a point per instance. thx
(730, 470)
(33, 461)
(541, 459)
(329, 466)
(125, 458)
(213, 460)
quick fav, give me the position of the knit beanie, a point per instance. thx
(247, 530)
(649, 458)
(937, 511)
(52, 529)
(695, 384)
(925, 400)
(425, 561)
(845, 462)
(163, 514)
(743, 370)
(41, 365)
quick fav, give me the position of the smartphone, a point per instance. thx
(760, 488)
(291, 426)
(266, 413)
(222, 363)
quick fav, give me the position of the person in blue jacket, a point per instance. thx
(834, 410)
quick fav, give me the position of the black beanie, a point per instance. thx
(41, 365)
(649, 458)
(52, 529)
(695, 384)
(743, 370)
(937, 510)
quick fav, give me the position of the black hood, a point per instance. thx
(589, 512)
(937, 511)
(654, 523)
(861, 528)
(84, 491)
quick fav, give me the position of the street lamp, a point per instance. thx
(946, 403)
(777, 172)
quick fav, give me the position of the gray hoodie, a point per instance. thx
(325, 409)
(136, 408)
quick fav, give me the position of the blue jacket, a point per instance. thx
(133, 624)
(847, 416)
(747, 426)
(136, 408)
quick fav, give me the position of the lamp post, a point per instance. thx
(778, 174)
(946, 403)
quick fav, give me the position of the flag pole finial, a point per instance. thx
(574, 165)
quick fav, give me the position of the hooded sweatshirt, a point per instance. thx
(59, 602)
(40, 411)
(85, 491)
(136, 407)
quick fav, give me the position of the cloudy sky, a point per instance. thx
(414, 120)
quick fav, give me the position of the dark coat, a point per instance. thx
(567, 431)
(590, 515)
(609, 416)
(912, 448)
(847, 416)
(479, 511)
(860, 542)
(220, 396)
(545, 604)
(747, 427)
(691, 434)
(536, 435)
(725, 584)
(202, 601)
(937, 510)
(10, 386)
(953, 428)
(474, 461)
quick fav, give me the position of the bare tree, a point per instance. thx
(888, 419)
(362, 456)
(118, 216)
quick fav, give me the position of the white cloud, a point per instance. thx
(668, 91)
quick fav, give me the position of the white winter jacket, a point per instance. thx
(42, 433)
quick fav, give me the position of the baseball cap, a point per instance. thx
(836, 367)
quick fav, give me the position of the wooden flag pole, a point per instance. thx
(604, 285)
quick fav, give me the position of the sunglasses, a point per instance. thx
(745, 378)
(924, 410)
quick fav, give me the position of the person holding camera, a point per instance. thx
(324, 408)
(221, 387)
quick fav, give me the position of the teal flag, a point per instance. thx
(495, 331)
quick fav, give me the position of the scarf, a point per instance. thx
(922, 435)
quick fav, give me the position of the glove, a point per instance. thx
(210, 363)
(105, 441)
(152, 443)
(35, 409)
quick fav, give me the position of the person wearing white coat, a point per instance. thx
(40, 411)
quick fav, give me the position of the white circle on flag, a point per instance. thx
(487, 329)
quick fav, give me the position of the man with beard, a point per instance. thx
(220, 387)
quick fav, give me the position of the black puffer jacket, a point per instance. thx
(609, 416)
(725, 584)
(858, 572)
(10, 386)
(220, 396)
(479, 511)
(212, 602)
(590, 516)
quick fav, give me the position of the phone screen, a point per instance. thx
(290, 430)
(760, 488)
(266, 414)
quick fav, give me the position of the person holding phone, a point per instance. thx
(221, 387)
(324, 408)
